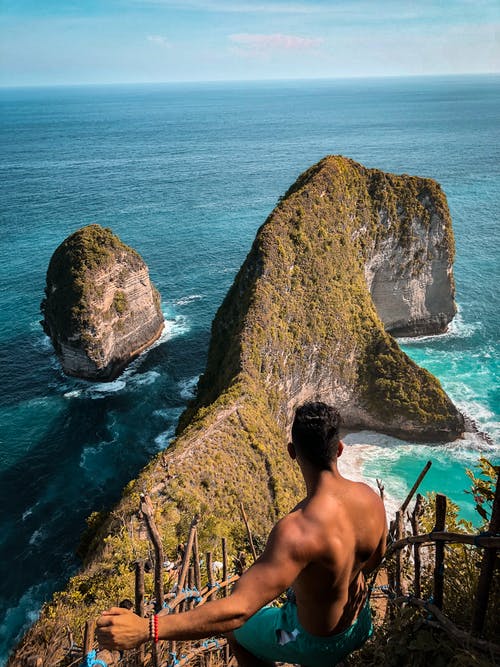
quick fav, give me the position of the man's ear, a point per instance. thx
(291, 451)
(340, 448)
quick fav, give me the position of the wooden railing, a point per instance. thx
(489, 541)
(188, 590)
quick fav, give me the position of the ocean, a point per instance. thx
(186, 174)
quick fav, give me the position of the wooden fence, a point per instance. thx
(189, 591)
(397, 586)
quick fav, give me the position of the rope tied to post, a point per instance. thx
(91, 659)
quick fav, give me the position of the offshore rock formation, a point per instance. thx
(300, 320)
(101, 309)
(299, 323)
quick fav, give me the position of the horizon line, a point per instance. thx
(256, 80)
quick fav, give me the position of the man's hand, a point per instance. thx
(121, 629)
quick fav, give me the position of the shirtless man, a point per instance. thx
(322, 549)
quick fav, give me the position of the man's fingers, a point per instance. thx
(106, 616)
(115, 611)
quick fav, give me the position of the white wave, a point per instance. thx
(25, 612)
(175, 326)
(351, 464)
(163, 440)
(42, 342)
(456, 329)
(145, 378)
(188, 387)
(29, 512)
(75, 393)
(460, 329)
(37, 537)
(369, 451)
(107, 387)
(162, 413)
(185, 300)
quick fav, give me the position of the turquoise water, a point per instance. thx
(186, 174)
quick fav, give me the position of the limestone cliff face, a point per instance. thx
(411, 278)
(101, 309)
(298, 323)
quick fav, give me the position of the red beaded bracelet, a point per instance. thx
(155, 623)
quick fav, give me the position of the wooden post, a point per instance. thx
(139, 588)
(148, 513)
(190, 601)
(225, 576)
(399, 554)
(196, 562)
(88, 637)
(414, 519)
(139, 603)
(249, 532)
(439, 561)
(486, 573)
(380, 489)
(183, 573)
(424, 472)
(187, 556)
(224, 565)
(210, 574)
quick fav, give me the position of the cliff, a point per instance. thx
(298, 323)
(409, 268)
(100, 308)
(301, 319)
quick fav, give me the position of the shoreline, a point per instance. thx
(351, 466)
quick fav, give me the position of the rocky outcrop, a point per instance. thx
(409, 273)
(100, 308)
(300, 320)
(299, 323)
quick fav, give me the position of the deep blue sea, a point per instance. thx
(186, 174)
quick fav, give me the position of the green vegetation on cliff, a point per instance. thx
(300, 316)
(70, 286)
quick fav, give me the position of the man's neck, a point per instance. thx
(315, 479)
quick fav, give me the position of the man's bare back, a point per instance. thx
(344, 523)
(322, 549)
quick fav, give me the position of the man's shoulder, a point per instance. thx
(294, 533)
(367, 493)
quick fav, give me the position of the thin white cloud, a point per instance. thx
(257, 43)
(236, 7)
(159, 39)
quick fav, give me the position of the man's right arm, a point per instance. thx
(284, 557)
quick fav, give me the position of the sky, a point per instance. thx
(61, 42)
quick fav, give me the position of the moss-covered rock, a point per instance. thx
(100, 308)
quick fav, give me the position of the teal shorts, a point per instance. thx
(274, 633)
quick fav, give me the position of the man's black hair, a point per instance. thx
(315, 433)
